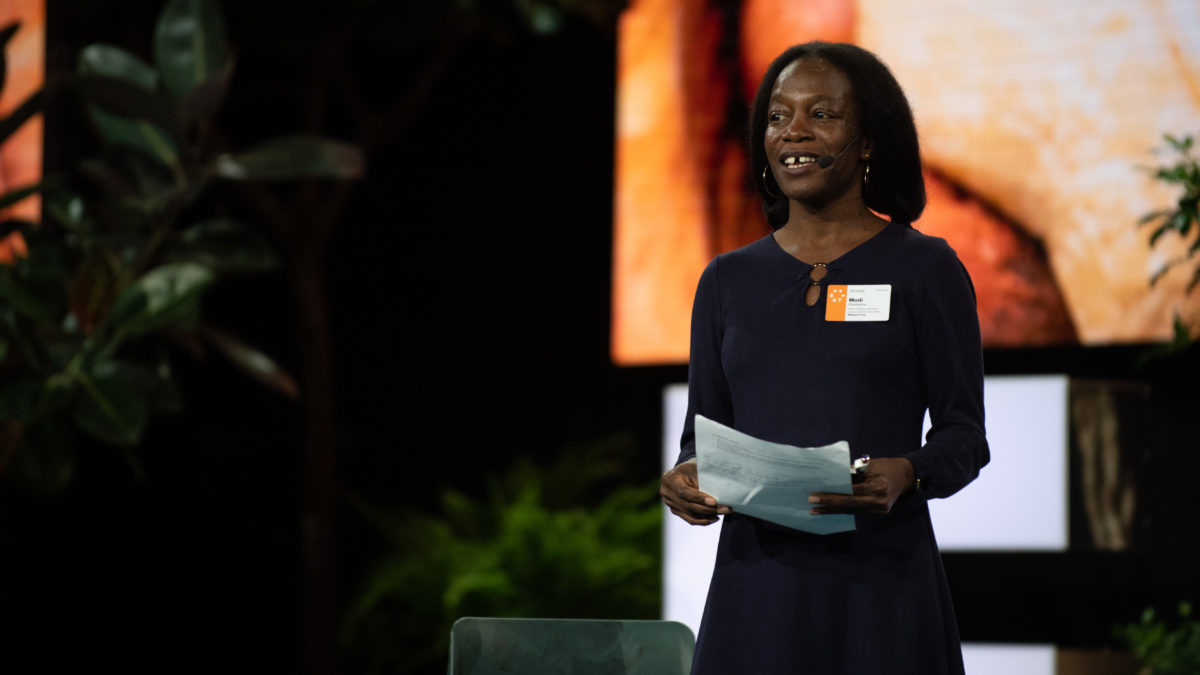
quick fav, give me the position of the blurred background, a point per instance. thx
(307, 340)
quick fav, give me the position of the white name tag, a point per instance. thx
(861, 302)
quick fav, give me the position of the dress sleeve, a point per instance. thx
(951, 362)
(708, 389)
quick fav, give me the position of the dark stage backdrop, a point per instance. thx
(468, 281)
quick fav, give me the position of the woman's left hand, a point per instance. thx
(887, 479)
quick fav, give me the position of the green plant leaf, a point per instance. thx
(107, 178)
(67, 208)
(1173, 174)
(1181, 221)
(189, 44)
(166, 296)
(505, 556)
(252, 361)
(205, 99)
(109, 406)
(139, 134)
(10, 198)
(1153, 216)
(227, 247)
(1190, 207)
(155, 385)
(1162, 229)
(1182, 338)
(29, 351)
(6, 34)
(116, 63)
(1179, 144)
(23, 300)
(1164, 649)
(293, 157)
(21, 114)
(123, 103)
(43, 270)
(1159, 274)
(119, 97)
(11, 225)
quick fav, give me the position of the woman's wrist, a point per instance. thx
(912, 483)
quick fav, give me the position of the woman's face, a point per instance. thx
(812, 113)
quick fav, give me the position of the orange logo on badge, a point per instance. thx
(835, 304)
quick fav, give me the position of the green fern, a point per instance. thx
(1162, 649)
(513, 553)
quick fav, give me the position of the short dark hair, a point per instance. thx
(896, 187)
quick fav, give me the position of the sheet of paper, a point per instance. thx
(771, 481)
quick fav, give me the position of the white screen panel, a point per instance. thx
(993, 659)
(1027, 432)
(1019, 501)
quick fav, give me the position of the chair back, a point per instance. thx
(497, 646)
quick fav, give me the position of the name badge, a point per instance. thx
(862, 302)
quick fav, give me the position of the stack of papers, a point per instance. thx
(772, 481)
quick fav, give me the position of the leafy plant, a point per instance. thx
(516, 553)
(116, 274)
(1181, 218)
(1162, 649)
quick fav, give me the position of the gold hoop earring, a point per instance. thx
(767, 186)
(866, 178)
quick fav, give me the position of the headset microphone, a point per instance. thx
(826, 161)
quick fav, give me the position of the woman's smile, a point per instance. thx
(795, 163)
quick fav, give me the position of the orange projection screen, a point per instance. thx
(1039, 123)
(21, 154)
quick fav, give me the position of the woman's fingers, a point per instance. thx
(679, 491)
(694, 520)
(887, 479)
(869, 496)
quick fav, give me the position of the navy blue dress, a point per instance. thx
(763, 362)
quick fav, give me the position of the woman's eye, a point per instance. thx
(774, 117)
(821, 114)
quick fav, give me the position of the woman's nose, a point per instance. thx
(797, 130)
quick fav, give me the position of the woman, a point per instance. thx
(832, 145)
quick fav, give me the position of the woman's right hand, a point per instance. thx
(680, 492)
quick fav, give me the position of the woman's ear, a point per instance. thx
(868, 148)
